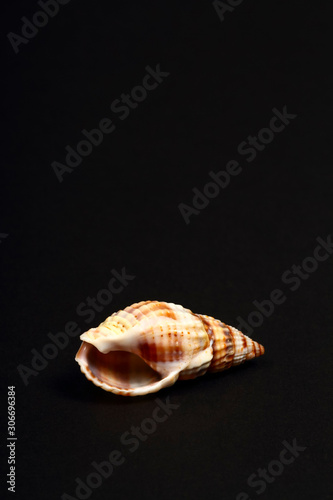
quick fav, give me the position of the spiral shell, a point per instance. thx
(149, 345)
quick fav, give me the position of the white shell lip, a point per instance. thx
(118, 386)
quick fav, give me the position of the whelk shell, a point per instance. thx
(149, 345)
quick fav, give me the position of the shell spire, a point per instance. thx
(149, 345)
(230, 346)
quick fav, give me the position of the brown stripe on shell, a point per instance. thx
(251, 350)
(166, 350)
(146, 308)
(209, 329)
(207, 324)
(148, 351)
(231, 333)
(160, 306)
(164, 310)
(222, 342)
(135, 311)
(225, 362)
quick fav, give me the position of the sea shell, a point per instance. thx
(149, 345)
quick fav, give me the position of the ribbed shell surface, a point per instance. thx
(172, 341)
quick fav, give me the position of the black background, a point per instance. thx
(119, 208)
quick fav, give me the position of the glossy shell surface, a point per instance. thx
(149, 345)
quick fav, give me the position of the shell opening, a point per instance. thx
(118, 369)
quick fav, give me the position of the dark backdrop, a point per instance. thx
(224, 74)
